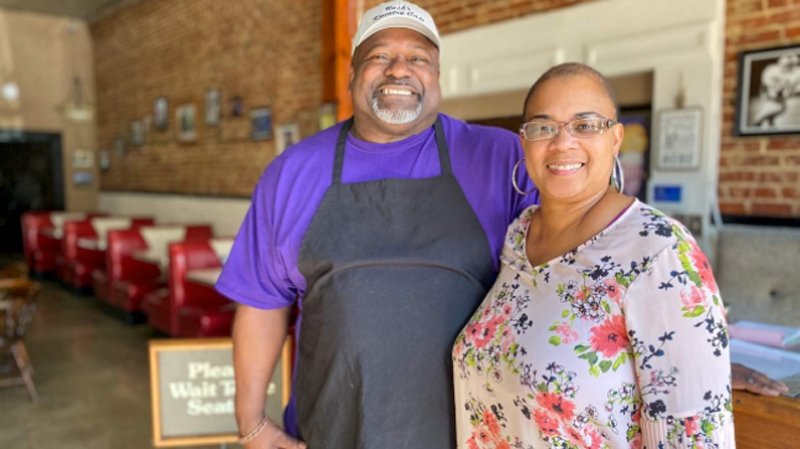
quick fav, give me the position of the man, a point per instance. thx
(387, 229)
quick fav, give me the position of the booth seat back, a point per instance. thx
(119, 263)
(757, 272)
(183, 257)
(32, 243)
(74, 230)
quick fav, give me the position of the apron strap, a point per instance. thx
(338, 158)
(341, 141)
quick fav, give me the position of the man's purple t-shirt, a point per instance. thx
(261, 270)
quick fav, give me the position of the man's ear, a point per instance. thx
(351, 75)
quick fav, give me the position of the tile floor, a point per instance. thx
(91, 372)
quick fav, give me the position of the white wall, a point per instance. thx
(224, 214)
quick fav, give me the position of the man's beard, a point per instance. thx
(396, 116)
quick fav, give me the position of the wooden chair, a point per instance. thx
(14, 270)
(18, 301)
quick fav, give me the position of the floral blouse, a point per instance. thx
(619, 343)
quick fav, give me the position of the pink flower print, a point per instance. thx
(556, 403)
(692, 297)
(690, 426)
(507, 310)
(575, 437)
(582, 293)
(491, 423)
(610, 337)
(614, 290)
(547, 424)
(595, 438)
(700, 262)
(568, 335)
(485, 334)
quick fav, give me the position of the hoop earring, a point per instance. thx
(617, 176)
(514, 179)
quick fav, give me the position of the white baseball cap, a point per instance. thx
(396, 14)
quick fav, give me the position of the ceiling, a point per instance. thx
(88, 10)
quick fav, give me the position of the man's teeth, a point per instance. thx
(565, 166)
(387, 91)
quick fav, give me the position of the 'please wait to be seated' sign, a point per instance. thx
(193, 387)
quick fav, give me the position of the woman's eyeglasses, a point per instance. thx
(542, 129)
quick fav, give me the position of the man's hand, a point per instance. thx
(744, 378)
(272, 437)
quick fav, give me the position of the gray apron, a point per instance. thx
(394, 269)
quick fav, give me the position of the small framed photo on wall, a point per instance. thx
(186, 117)
(768, 92)
(679, 134)
(160, 113)
(261, 120)
(212, 111)
(286, 136)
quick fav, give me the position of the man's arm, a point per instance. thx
(258, 337)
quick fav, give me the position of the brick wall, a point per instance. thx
(759, 176)
(266, 51)
(456, 15)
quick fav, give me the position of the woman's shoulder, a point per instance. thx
(651, 230)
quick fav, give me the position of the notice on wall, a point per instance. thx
(193, 389)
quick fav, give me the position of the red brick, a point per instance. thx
(772, 210)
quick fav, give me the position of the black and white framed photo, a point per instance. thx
(768, 92)
(160, 113)
(186, 117)
(213, 106)
(261, 120)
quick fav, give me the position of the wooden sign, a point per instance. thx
(192, 389)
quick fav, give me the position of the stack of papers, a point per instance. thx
(765, 334)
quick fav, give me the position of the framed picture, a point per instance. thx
(186, 117)
(769, 92)
(212, 107)
(237, 106)
(286, 136)
(137, 132)
(634, 154)
(160, 113)
(679, 133)
(327, 115)
(261, 120)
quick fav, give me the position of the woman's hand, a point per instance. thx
(744, 378)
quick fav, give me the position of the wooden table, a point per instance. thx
(766, 422)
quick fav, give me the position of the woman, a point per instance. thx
(604, 328)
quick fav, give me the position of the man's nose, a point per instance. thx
(398, 67)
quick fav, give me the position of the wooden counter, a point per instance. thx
(766, 422)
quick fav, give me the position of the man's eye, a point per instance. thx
(418, 59)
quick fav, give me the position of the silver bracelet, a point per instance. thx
(254, 433)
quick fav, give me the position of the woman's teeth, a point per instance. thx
(564, 166)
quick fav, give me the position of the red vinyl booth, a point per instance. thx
(188, 309)
(129, 279)
(39, 250)
(85, 267)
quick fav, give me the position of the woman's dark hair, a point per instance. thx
(572, 69)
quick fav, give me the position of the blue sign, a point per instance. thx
(668, 194)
